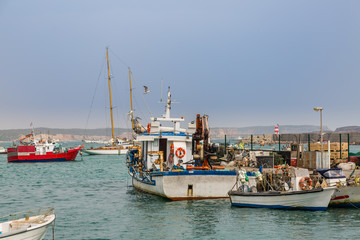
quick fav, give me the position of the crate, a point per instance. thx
(312, 160)
(334, 147)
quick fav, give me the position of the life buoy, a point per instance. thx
(172, 148)
(149, 127)
(180, 152)
(305, 183)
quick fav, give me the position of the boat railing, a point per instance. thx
(43, 212)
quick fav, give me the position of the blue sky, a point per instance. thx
(243, 63)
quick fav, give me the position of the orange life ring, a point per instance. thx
(180, 152)
(172, 148)
(305, 183)
(149, 127)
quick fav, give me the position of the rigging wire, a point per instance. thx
(93, 98)
(123, 62)
(118, 89)
(142, 95)
(136, 83)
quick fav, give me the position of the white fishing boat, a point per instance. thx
(250, 193)
(314, 199)
(347, 193)
(175, 163)
(28, 225)
(3, 150)
(119, 146)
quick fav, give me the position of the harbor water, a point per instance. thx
(94, 199)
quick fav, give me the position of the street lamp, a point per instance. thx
(321, 131)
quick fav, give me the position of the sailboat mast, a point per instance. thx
(111, 108)
(131, 103)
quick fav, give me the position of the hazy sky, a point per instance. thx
(243, 63)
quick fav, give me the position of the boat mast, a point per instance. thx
(111, 108)
(131, 103)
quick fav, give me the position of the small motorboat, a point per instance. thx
(3, 150)
(347, 193)
(27, 225)
(282, 190)
(314, 199)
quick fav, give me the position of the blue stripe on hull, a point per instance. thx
(278, 207)
(42, 160)
(345, 205)
(194, 172)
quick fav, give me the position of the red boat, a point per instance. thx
(42, 152)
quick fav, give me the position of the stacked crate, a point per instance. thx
(335, 149)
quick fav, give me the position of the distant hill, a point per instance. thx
(105, 133)
(348, 129)
(64, 134)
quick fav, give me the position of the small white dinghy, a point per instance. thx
(27, 225)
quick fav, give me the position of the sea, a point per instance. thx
(94, 199)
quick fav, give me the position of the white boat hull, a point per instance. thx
(346, 197)
(308, 199)
(35, 232)
(185, 185)
(105, 151)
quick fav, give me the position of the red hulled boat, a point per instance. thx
(42, 151)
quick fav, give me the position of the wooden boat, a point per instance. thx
(119, 146)
(41, 151)
(314, 199)
(347, 193)
(175, 163)
(29, 225)
(283, 188)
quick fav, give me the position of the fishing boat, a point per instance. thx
(3, 150)
(41, 151)
(347, 193)
(28, 225)
(119, 146)
(175, 163)
(253, 191)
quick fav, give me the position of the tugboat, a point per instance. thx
(175, 163)
(41, 151)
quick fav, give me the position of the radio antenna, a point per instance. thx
(161, 91)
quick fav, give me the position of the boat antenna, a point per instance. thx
(33, 130)
(131, 102)
(111, 108)
(161, 90)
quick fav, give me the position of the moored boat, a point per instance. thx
(41, 151)
(286, 190)
(119, 146)
(28, 225)
(347, 193)
(3, 150)
(175, 163)
(314, 199)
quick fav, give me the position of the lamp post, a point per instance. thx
(317, 109)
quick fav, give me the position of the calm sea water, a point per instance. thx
(93, 199)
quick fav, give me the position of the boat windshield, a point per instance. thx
(332, 173)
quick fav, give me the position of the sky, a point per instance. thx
(243, 62)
